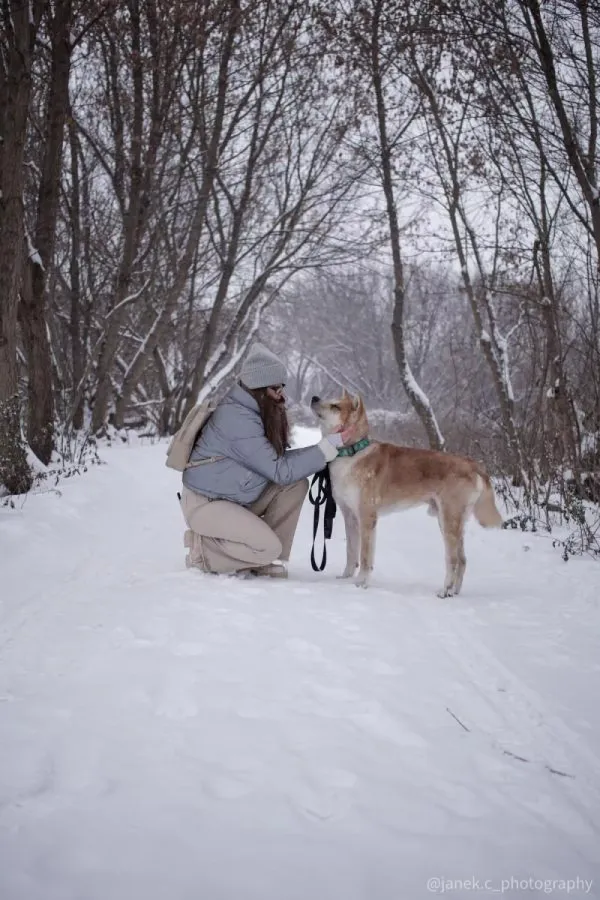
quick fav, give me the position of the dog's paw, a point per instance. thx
(347, 573)
(362, 581)
(446, 592)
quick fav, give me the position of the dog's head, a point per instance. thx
(346, 414)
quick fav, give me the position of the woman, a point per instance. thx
(242, 499)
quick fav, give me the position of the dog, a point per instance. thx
(371, 477)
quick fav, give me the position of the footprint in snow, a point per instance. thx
(228, 787)
(176, 708)
(176, 699)
(304, 649)
(380, 724)
(189, 648)
(380, 667)
(328, 796)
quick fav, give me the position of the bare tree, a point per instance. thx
(282, 189)
(19, 23)
(39, 247)
(160, 39)
(179, 177)
(365, 36)
(430, 63)
(569, 29)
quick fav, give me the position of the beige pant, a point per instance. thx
(229, 537)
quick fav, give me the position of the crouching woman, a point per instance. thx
(244, 488)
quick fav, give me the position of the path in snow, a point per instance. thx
(167, 734)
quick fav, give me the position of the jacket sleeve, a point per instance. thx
(256, 453)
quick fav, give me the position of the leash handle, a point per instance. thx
(324, 497)
(317, 501)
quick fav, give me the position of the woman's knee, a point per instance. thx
(300, 487)
(272, 549)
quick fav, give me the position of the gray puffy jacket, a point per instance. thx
(236, 432)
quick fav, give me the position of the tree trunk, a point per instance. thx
(15, 90)
(168, 393)
(416, 396)
(75, 276)
(38, 259)
(34, 334)
(556, 394)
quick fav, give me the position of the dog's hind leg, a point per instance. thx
(352, 540)
(452, 528)
(368, 523)
(459, 573)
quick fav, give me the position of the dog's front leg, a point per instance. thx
(352, 541)
(368, 523)
(452, 528)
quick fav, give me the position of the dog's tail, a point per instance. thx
(485, 509)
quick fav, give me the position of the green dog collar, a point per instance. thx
(354, 448)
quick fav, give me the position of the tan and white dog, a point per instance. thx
(371, 477)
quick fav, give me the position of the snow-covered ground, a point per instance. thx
(169, 735)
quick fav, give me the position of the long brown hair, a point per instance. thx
(274, 418)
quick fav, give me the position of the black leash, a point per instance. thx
(324, 497)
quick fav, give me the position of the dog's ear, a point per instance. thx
(357, 402)
(345, 394)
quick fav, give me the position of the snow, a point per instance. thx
(33, 253)
(412, 387)
(589, 441)
(141, 351)
(503, 351)
(218, 367)
(165, 733)
(129, 299)
(388, 418)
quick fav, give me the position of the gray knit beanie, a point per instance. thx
(262, 368)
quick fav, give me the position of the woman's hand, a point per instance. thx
(336, 439)
(331, 443)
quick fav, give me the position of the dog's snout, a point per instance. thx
(314, 400)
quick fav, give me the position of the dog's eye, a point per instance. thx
(335, 406)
